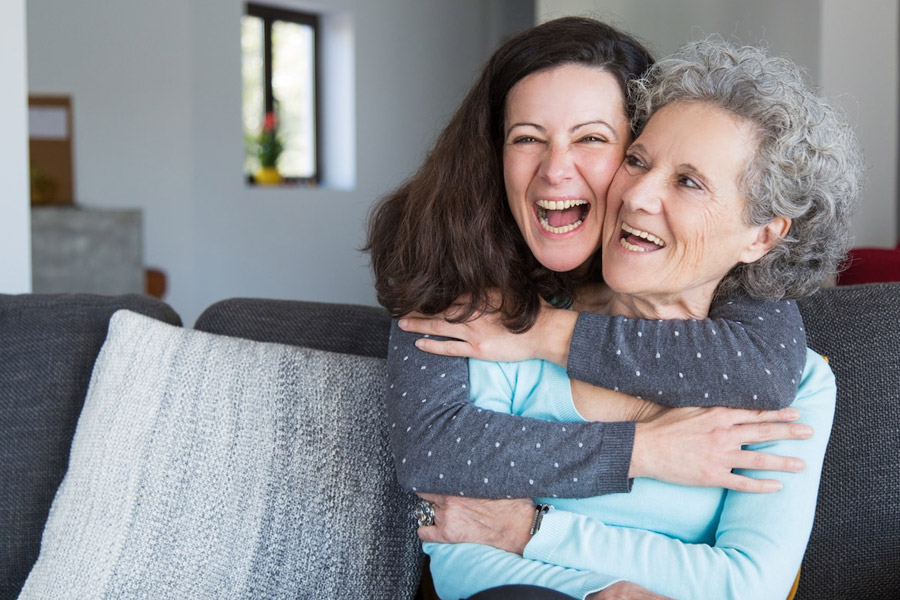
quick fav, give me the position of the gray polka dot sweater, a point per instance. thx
(748, 354)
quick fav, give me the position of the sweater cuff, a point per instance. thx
(559, 389)
(595, 583)
(618, 445)
(556, 526)
(583, 348)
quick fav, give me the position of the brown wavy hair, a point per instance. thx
(448, 230)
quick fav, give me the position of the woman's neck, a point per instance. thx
(599, 298)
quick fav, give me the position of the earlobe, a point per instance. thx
(767, 237)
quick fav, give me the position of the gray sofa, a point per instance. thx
(326, 518)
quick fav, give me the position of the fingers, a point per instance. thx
(752, 426)
(444, 347)
(761, 461)
(767, 432)
(436, 498)
(775, 416)
(426, 325)
(739, 483)
(738, 416)
(758, 461)
(430, 534)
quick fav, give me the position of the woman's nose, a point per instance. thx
(644, 193)
(557, 165)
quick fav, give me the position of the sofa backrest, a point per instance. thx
(345, 328)
(49, 344)
(854, 550)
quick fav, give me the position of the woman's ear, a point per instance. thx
(767, 237)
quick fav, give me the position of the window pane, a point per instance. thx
(293, 84)
(253, 72)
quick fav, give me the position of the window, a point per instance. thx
(280, 58)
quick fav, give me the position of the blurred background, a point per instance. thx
(155, 109)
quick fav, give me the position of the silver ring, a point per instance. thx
(423, 513)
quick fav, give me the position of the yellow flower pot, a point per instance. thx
(267, 176)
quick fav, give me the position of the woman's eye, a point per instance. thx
(688, 182)
(633, 161)
(594, 138)
(524, 139)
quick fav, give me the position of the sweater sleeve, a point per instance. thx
(747, 354)
(444, 444)
(485, 567)
(759, 542)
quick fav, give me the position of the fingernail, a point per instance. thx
(403, 323)
(797, 465)
(790, 414)
(419, 344)
(803, 430)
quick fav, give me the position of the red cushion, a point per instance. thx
(871, 265)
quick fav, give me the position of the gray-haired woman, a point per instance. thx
(740, 177)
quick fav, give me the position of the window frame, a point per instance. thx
(269, 14)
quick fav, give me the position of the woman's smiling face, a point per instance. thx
(675, 222)
(566, 134)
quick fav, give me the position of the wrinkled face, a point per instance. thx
(566, 134)
(675, 215)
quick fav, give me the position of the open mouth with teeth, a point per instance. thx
(637, 240)
(562, 216)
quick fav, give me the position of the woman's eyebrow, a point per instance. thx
(573, 129)
(600, 122)
(636, 147)
(524, 124)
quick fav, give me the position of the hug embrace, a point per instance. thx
(613, 397)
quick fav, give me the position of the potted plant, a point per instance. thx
(269, 147)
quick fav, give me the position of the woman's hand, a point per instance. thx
(625, 590)
(700, 446)
(502, 524)
(486, 338)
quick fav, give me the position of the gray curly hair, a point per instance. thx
(808, 166)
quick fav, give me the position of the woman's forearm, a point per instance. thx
(748, 354)
(444, 444)
(485, 567)
(601, 404)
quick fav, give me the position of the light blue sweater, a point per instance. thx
(682, 542)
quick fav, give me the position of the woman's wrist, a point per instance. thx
(555, 327)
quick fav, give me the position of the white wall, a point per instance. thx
(156, 87)
(849, 48)
(860, 65)
(15, 229)
(127, 67)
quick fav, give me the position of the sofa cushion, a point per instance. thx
(206, 466)
(854, 549)
(347, 328)
(49, 343)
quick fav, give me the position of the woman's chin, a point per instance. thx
(564, 263)
(565, 254)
